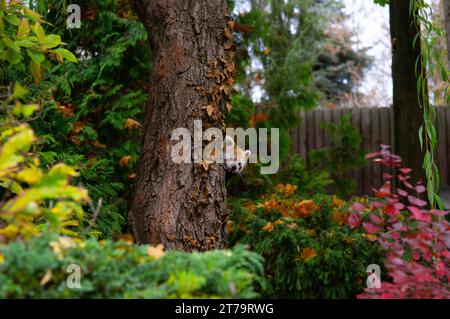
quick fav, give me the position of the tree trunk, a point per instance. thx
(407, 112)
(447, 26)
(183, 206)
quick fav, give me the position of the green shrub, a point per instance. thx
(310, 251)
(32, 200)
(343, 154)
(37, 269)
(308, 181)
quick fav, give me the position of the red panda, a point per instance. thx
(235, 158)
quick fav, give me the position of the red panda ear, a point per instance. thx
(248, 153)
(229, 141)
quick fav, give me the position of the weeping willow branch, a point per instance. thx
(427, 33)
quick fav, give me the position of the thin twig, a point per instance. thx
(95, 216)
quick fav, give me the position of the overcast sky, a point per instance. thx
(370, 23)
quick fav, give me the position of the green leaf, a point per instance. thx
(19, 92)
(34, 16)
(57, 176)
(40, 33)
(11, 44)
(25, 110)
(13, 57)
(24, 29)
(37, 57)
(421, 136)
(10, 154)
(66, 54)
(52, 41)
(35, 70)
(12, 19)
(25, 43)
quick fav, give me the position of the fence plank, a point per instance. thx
(310, 140)
(385, 134)
(391, 129)
(375, 130)
(294, 140)
(327, 118)
(365, 131)
(346, 111)
(385, 131)
(303, 148)
(318, 130)
(376, 127)
(336, 117)
(356, 122)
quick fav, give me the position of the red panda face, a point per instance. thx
(235, 157)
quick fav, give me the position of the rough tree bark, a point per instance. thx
(183, 206)
(407, 112)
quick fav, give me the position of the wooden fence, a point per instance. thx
(376, 127)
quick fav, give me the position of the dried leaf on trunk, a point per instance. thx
(209, 109)
(227, 33)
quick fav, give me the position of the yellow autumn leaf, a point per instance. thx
(97, 144)
(371, 237)
(308, 254)
(62, 169)
(337, 202)
(67, 242)
(40, 33)
(47, 277)
(349, 240)
(10, 231)
(2, 258)
(339, 217)
(156, 252)
(279, 222)
(304, 208)
(73, 223)
(287, 189)
(124, 161)
(269, 227)
(30, 175)
(31, 14)
(20, 142)
(271, 204)
(24, 29)
(35, 70)
(131, 124)
(61, 245)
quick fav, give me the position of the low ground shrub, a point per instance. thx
(309, 249)
(38, 269)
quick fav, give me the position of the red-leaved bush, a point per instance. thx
(416, 239)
